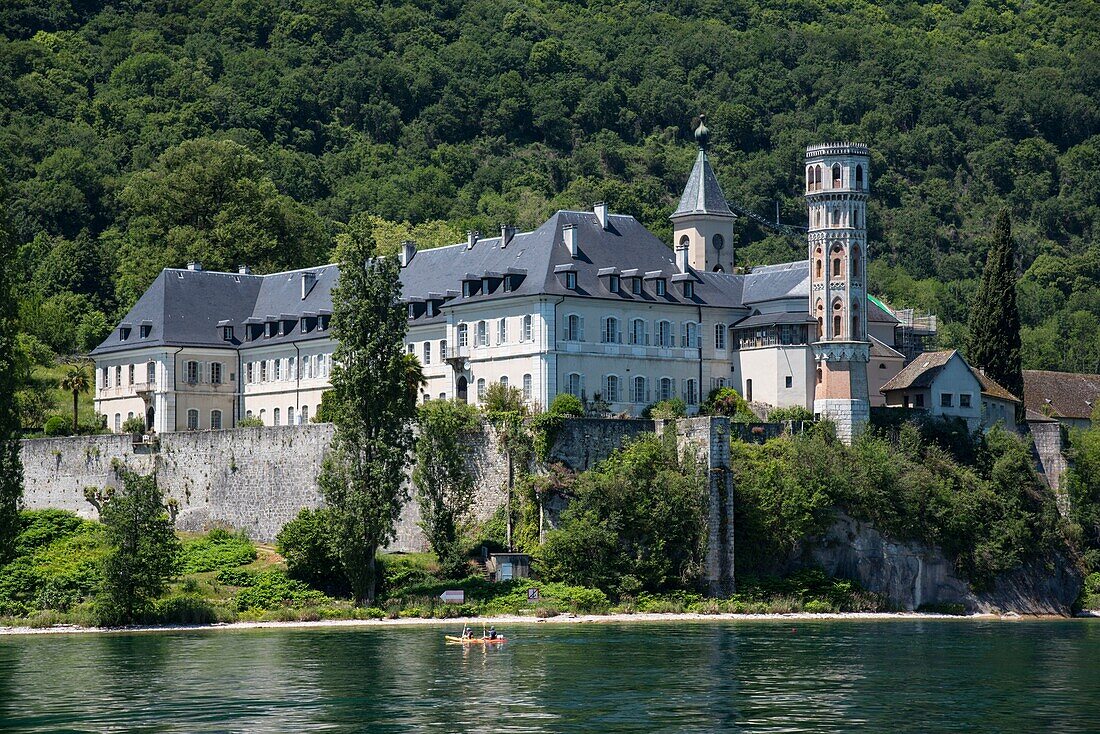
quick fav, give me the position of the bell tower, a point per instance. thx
(703, 222)
(837, 185)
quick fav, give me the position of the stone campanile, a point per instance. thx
(837, 185)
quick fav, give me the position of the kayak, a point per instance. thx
(474, 640)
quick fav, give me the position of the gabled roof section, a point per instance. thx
(1061, 394)
(992, 388)
(921, 372)
(702, 194)
(185, 308)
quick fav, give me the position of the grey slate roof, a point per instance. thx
(702, 194)
(187, 307)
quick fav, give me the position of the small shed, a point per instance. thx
(508, 566)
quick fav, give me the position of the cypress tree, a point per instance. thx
(11, 467)
(994, 318)
(362, 477)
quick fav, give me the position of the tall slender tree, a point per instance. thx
(994, 317)
(11, 468)
(362, 478)
(76, 381)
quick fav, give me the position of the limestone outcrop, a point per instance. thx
(912, 575)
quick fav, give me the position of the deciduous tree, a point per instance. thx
(11, 468)
(362, 477)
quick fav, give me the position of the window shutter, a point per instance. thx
(580, 330)
(683, 334)
(582, 387)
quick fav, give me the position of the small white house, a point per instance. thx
(942, 383)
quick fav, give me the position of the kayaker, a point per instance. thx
(466, 632)
(492, 633)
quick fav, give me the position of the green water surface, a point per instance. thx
(775, 676)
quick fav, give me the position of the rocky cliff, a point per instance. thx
(911, 574)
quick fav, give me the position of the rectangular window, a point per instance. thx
(636, 286)
(964, 400)
(263, 371)
(689, 289)
(123, 334)
(527, 387)
(216, 373)
(502, 331)
(192, 420)
(571, 281)
(442, 348)
(527, 329)
(946, 400)
(482, 334)
(427, 353)
(216, 420)
(145, 329)
(661, 287)
(248, 372)
(790, 381)
(613, 283)
(131, 374)
(151, 372)
(278, 369)
(719, 336)
(192, 373)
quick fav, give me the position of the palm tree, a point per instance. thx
(414, 376)
(76, 381)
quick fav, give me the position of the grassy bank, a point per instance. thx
(224, 577)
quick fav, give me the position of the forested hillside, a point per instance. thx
(137, 135)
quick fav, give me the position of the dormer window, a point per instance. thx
(271, 329)
(507, 283)
(227, 333)
(412, 311)
(145, 330)
(689, 289)
(571, 280)
(662, 289)
(124, 333)
(485, 286)
(636, 286)
(613, 283)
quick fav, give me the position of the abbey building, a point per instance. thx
(590, 303)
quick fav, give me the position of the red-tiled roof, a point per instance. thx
(1061, 394)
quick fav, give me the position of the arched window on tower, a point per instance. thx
(837, 269)
(684, 241)
(836, 217)
(859, 178)
(855, 334)
(810, 178)
(818, 176)
(836, 175)
(819, 267)
(837, 319)
(855, 261)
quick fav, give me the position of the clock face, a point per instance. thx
(719, 242)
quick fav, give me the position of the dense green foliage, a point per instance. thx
(144, 553)
(635, 522)
(728, 402)
(362, 477)
(219, 549)
(988, 514)
(57, 565)
(149, 134)
(994, 317)
(444, 484)
(307, 544)
(11, 467)
(1083, 487)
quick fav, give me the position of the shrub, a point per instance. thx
(183, 608)
(667, 409)
(307, 544)
(818, 606)
(565, 404)
(728, 402)
(133, 425)
(502, 398)
(236, 577)
(216, 550)
(56, 426)
(793, 413)
(250, 422)
(274, 589)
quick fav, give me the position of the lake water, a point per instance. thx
(773, 676)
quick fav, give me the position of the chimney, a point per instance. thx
(569, 234)
(244, 270)
(308, 281)
(408, 249)
(682, 258)
(507, 232)
(195, 265)
(471, 238)
(601, 213)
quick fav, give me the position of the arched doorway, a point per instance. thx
(461, 388)
(150, 413)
